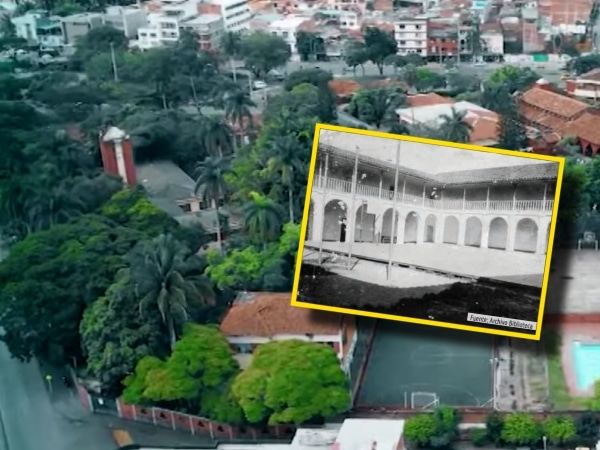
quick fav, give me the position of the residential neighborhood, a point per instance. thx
(153, 178)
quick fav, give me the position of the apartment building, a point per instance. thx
(286, 28)
(164, 27)
(76, 26)
(208, 27)
(38, 28)
(128, 19)
(411, 35)
(236, 14)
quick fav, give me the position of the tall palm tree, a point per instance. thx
(163, 277)
(262, 218)
(217, 136)
(212, 186)
(286, 160)
(237, 107)
(455, 128)
(231, 46)
(496, 97)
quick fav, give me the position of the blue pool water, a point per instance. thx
(587, 364)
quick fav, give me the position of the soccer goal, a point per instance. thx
(424, 400)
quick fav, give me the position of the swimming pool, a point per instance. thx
(587, 364)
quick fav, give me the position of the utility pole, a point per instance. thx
(114, 63)
(351, 221)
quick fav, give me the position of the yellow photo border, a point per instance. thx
(305, 218)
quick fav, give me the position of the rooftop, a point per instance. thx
(273, 315)
(592, 75)
(367, 434)
(586, 128)
(164, 180)
(554, 102)
(203, 19)
(288, 22)
(430, 99)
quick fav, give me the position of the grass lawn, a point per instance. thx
(559, 392)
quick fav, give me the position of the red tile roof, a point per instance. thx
(585, 127)
(267, 314)
(428, 100)
(554, 103)
(344, 87)
(485, 126)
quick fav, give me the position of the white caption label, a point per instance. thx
(501, 321)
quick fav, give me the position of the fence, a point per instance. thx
(183, 422)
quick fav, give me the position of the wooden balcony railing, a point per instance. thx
(342, 186)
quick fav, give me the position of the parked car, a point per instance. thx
(258, 84)
(276, 75)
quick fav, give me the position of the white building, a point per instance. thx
(164, 27)
(494, 42)
(36, 27)
(411, 35)
(128, 19)
(208, 27)
(347, 19)
(236, 14)
(286, 29)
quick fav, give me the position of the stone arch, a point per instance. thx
(451, 228)
(411, 228)
(526, 236)
(335, 221)
(498, 237)
(311, 219)
(364, 224)
(387, 226)
(430, 225)
(473, 232)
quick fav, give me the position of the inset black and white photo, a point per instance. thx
(427, 232)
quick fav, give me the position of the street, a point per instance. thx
(32, 418)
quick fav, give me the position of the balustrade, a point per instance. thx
(342, 186)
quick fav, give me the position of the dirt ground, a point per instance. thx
(451, 304)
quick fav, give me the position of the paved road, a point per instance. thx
(32, 418)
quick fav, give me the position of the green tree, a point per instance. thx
(211, 185)
(100, 40)
(494, 424)
(420, 429)
(308, 45)
(238, 106)
(292, 381)
(511, 131)
(376, 106)
(316, 77)
(262, 218)
(252, 269)
(379, 44)
(460, 82)
(496, 97)
(455, 128)
(428, 79)
(231, 46)
(216, 135)
(162, 272)
(584, 64)
(355, 54)
(560, 430)
(263, 52)
(588, 428)
(114, 336)
(521, 429)
(304, 100)
(286, 161)
(514, 78)
(573, 192)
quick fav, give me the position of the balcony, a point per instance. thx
(345, 187)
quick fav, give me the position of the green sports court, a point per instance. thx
(419, 366)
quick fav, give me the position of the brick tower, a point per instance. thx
(117, 154)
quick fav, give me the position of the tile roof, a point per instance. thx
(267, 314)
(427, 100)
(554, 103)
(485, 127)
(586, 127)
(344, 87)
(592, 75)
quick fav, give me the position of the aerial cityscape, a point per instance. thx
(153, 178)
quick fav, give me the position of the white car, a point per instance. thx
(259, 85)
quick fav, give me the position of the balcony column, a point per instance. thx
(320, 183)
(424, 186)
(543, 236)
(326, 170)
(487, 200)
(544, 200)
(380, 184)
(511, 234)
(403, 189)
(464, 199)
(318, 218)
(514, 200)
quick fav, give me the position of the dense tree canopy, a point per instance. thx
(292, 382)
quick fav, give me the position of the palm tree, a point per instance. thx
(164, 278)
(230, 45)
(262, 218)
(496, 97)
(455, 128)
(217, 136)
(410, 75)
(285, 160)
(237, 107)
(212, 186)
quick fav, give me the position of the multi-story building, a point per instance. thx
(37, 28)
(164, 27)
(482, 208)
(209, 29)
(345, 18)
(128, 19)
(236, 14)
(286, 28)
(76, 26)
(259, 317)
(586, 85)
(441, 46)
(411, 35)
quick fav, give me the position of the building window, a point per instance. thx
(402, 27)
(244, 349)
(417, 27)
(402, 42)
